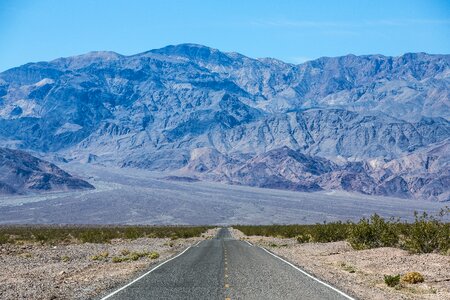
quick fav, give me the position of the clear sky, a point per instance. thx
(293, 31)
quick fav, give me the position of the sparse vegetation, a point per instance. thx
(412, 278)
(153, 255)
(426, 234)
(101, 256)
(127, 256)
(348, 268)
(88, 234)
(117, 259)
(373, 233)
(65, 258)
(4, 238)
(125, 252)
(392, 280)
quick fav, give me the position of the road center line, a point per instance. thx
(309, 275)
(142, 276)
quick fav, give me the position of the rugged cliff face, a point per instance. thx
(22, 173)
(224, 116)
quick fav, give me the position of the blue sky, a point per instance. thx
(293, 31)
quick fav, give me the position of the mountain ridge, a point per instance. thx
(154, 109)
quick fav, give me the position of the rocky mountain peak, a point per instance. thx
(329, 118)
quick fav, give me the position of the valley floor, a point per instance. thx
(361, 273)
(131, 196)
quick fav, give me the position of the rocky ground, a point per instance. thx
(71, 271)
(361, 273)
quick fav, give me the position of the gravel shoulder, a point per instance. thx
(69, 271)
(361, 273)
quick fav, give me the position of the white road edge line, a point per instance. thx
(248, 243)
(310, 276)
(197, 243)
(142, 276)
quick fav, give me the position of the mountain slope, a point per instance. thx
(21, 173)
(155, 109)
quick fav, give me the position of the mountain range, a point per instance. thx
(371, 124)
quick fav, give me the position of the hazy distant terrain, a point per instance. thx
(370, 124)
(140, 197)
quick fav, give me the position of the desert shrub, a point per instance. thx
(65, 258)
(125, 252)
(427, 234)
(412, 277)
(320, 233)
(96, 257)
(372, 233)
(4, 238)
(138, 255)
(101, 256)
(304, 238)
(392, 280)
(95, 235)
(153, 255)
(90, 234)
(329, 232)
(116, 259)
(134, 256)
(348, 268)
(133, 233)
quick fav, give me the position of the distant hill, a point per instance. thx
(213, 115)
(23, 173)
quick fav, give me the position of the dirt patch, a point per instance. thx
(78, 271)
(361, 273)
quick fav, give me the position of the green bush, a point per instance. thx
(137, 255)
(101, 256)
(153, 255)
(373, 233)
(4, 238)
(97, 257)
(134, 256)
(65, 258)
(304, 238)
(116, 259)
(392, 280)
(320, 233)
(427, 234)
(132, 233)
(329, 232)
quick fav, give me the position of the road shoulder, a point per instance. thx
(361, 273)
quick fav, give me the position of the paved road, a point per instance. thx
(225, 268)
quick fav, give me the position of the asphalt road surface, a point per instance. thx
(225, 268)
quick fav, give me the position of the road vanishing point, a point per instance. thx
(226, 268)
